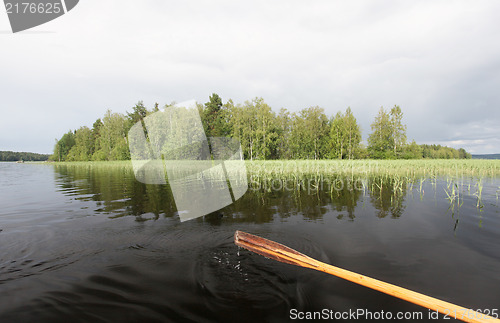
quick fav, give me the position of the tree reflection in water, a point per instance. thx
(117, 193)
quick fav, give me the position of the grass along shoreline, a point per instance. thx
(427, 168)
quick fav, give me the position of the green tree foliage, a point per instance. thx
(254, 124)
(283, 132)
(263, 134)
(112, 142)
(243, 128)
(337, 136)
(462, 154)
(266, 130)
(345, 136)
(139, 112)
(214, 117)
(353, 134)
(441, 152)
(63, 146)
(82, 150)
(412, 151)
(398, 130)
(175, 143)
(388, 137)
(310, 134)
(96, 133)
(228, 110)
(380, 140)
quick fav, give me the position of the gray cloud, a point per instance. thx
(437, 60)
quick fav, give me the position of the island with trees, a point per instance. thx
(263, 134)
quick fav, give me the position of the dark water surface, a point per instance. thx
(80, 244)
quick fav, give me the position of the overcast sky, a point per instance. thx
(438, 60)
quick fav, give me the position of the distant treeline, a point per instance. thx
(443, 152)
(486, 156)
(24, 156)
(263, 133)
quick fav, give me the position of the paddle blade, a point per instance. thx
(273, 250)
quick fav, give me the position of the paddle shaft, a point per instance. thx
(285, 254)
(449, 309)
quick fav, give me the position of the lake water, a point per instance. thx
(84, 244)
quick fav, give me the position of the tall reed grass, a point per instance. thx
(428, 168)
(407, 169)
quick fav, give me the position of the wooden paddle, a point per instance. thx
(279, 252)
